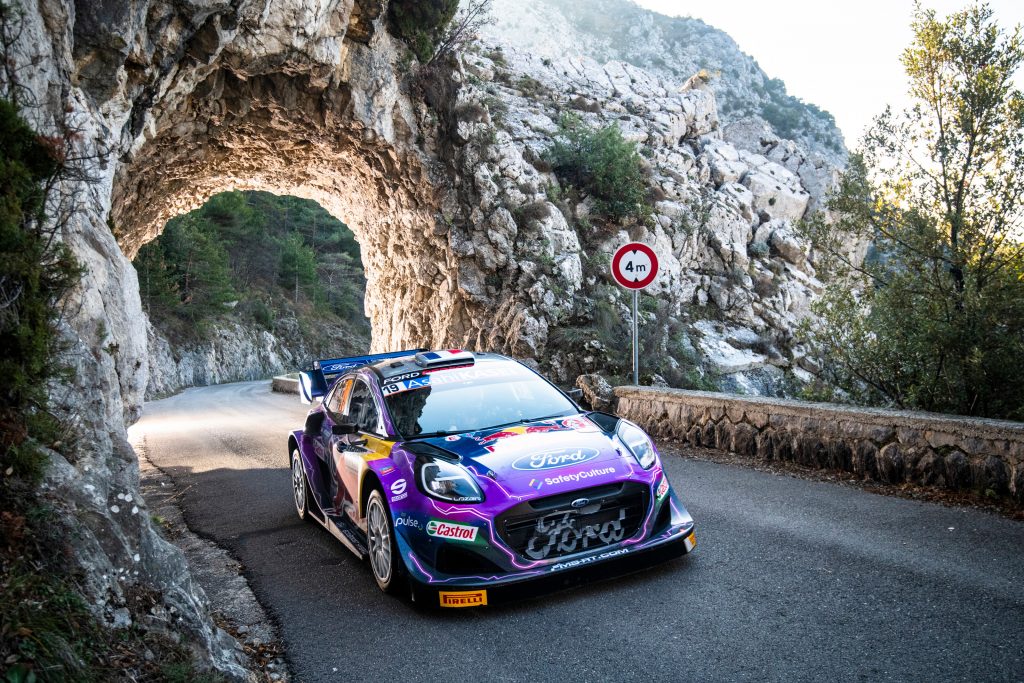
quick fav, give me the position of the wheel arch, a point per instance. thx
(293, 444)
(370, 482)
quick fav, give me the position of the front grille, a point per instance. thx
(549, 528)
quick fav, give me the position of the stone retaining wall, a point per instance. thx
(285, 384)
(886, 445)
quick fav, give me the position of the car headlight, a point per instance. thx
(448, 481)
(638, 443)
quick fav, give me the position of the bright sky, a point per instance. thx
(842, 56)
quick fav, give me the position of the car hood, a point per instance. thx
(557, 454)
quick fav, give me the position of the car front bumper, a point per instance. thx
(436, 590)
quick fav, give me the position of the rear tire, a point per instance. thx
(300, 487)
(385, 561)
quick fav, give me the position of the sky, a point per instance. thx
(842, 56)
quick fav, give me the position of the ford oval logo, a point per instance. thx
(580, 503)
(550, 460)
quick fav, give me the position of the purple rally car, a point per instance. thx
(465, 477)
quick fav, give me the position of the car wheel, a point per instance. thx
(300, 487)
(385, 562)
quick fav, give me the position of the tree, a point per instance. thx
(463, 29)
(421, 23)
(298, 265)
(933, 318)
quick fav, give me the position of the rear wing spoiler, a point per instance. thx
(314, 382)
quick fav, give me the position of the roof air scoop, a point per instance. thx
(444, 359)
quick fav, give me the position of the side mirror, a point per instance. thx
(344, 428)
(314, 422)
(575, 394)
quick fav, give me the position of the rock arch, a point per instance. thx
(299, 132)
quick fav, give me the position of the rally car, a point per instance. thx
(467, 477)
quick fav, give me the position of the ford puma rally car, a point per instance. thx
(465, 477)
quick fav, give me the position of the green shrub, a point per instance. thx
(603, 164)
(757, 249)
(37, 271)
(420, 23)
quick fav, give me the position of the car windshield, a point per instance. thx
(465, 399)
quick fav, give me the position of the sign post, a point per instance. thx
(635, 266)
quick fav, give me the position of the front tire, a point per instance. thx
(385, 561)
(300, 487)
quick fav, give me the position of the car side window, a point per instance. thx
(362, 410)
(339, 397)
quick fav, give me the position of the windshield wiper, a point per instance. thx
(520, 421)
(430, 435)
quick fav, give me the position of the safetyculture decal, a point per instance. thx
(575, 477)
(550, 460)
(462, 598)
(451, 531)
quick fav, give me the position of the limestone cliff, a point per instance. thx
(674, 48)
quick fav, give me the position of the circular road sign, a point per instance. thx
(635, 265)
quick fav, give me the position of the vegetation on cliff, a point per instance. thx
(934, 318)
(603, 164)
(421, 23)
(48, 631)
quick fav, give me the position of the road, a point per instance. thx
(792, 579)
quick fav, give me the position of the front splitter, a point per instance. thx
(486, 594)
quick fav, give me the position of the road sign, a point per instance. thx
(635, 265)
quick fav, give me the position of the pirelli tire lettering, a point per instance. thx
(463, 598)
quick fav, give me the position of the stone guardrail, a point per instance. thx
(285, 384)
(892, 446)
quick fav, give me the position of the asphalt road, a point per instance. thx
(792, 579)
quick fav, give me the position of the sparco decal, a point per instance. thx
(662, 487)
(462, 598)
(555, 459)
(563, 533)
(587, 560)
(398, 491)
(452, 532)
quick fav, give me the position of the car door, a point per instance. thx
(352, 452)
(335, 408)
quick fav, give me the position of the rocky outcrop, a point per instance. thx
(736, 278)
(234, 352)
(680, 50)
(891, 446)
